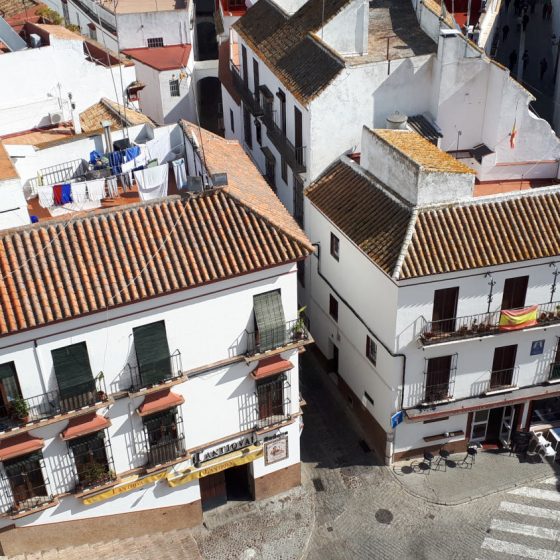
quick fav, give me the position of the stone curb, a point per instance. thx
(497, 490)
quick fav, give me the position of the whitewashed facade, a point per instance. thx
(385, 332)
(143, 435)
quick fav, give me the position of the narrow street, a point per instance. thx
(538, 40)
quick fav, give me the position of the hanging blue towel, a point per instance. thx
(66, 193)
(34, 219)
(116, 159)
(132, 152)
(93, 157)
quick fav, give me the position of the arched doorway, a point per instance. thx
(209, 95)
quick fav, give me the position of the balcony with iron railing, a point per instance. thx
(483, 324)
(93, 462)
(554, 374)
(154, 374)
(246, 94)
(274, 338)
(295, 155)
(439, 388)
(54, 403)
(166, 451)
(503, 379)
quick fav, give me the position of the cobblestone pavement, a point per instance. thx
(526, 523)
(351, 507)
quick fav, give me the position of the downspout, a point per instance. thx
(390, 435)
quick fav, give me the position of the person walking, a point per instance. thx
(544, 65)
(544, 9)
(508, 2)
(532, 3)
(525, 59)
(517, 7)
(505, 32)
(549, 11)
(525, 21)
(512, 60)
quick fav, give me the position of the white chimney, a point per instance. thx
(397, 121)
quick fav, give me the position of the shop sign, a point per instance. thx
(397, 418)
(233, 459)
(224, 449)
(276, 450)
(122, 488)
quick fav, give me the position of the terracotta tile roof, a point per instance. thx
(285, 44)
(374, 220)
(108, 110)
(170, 57)
(408, 242)
(498, 230)
(66, 269)
(11, 8)
(420, 151)
(245, 183)
(7, 169)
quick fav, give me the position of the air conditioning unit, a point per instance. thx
(34, 41)
(56, 118)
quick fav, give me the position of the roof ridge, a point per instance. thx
(405, 244)
(493, 198)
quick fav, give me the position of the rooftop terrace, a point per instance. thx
(142, 6)
(393, 33)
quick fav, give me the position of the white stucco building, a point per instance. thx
(151, 369)
(434, 295)
(53, 83)
(304, 82)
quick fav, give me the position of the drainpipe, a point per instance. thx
(39, 369)
(390, 435)
(107, 135)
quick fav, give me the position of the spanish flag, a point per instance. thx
(513, 134)
(518, 319)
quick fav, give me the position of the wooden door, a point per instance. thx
(298, 128)
(437, 378)
(213, 490)
(503, 365)
(245, 67)
(445, 309)
(515, 290)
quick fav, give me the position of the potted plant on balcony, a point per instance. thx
(94, 474)
(101, 395)
(298, 330)
(20, 410)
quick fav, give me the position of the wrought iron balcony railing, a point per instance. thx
(243, 89)
(554, 374)
(156, 373)
(276, 337)
(503, 379)
(295, 156)
(483, 324)
(436, 392)
(166, 451)
(56, 402)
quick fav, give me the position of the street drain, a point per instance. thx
(319, 486)
(383, 516)
(365, 447)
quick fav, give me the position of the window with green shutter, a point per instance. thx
(152, 353)
(72, 370)
(269, 317)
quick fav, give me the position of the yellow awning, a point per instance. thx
(136, 482)
(234, 459)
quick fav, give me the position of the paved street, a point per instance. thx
(350, 507)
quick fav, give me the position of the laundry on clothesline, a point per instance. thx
(180, 173)
(96, 189)
(152, 182)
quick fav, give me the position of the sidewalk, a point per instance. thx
(493, 472)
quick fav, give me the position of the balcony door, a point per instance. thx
(271, 397)
(298, 139)
(282, 98)
(73, 374)
(503, 365)
(245, 66)
(256, 81)
(9, 388)
(555, 366)
(438, 373)
(152, 353)
(445, 310)
(515, 290)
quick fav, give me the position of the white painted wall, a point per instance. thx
(347, 32)
(205, 324)
(33, 91)
(13, 206)
(156, 100)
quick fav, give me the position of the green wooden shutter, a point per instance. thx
(72, 370)
(7, 370)
(152, 352)
(269, 316)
